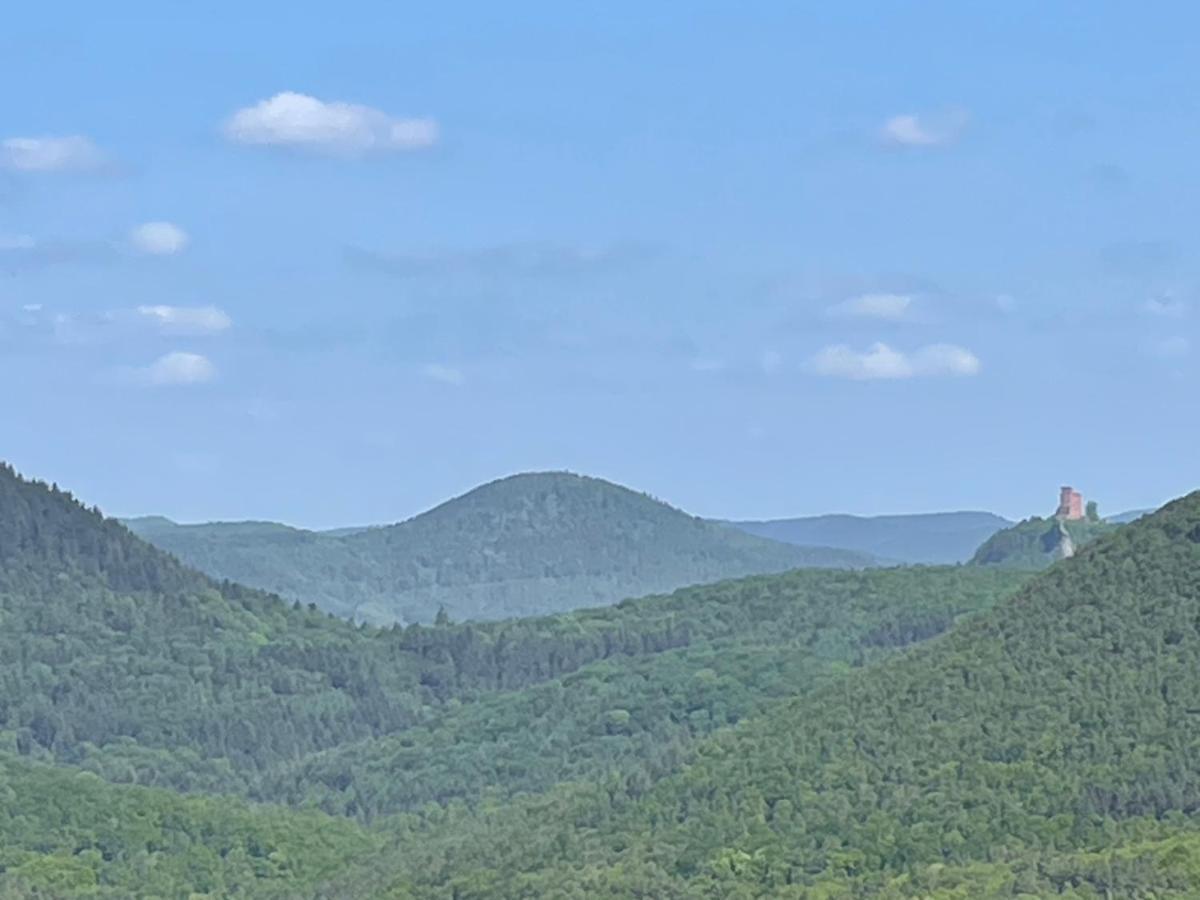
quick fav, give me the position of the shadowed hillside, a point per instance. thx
(526, 545)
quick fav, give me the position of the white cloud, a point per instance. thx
(1166, 306)
(913, 130)
(179, 367)
(444, 374)
(158, 238)
(880, 361)
(290, 119)
(874, 306)
(49, 154)
(187, 319)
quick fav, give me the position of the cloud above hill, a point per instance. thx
(187, 320)
(158, 239)
(873, 306)
(70, 153)
(179, 368)
(923, 130)
(881, 362)
(299, 121)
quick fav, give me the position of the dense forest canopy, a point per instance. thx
(525, 545)
(1049, 745)
(968, 731)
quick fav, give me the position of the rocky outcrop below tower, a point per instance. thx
(1037, 543)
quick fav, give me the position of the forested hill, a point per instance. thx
(116, 661)
(1037, 543)
(1048, 747)
(929, 538)
(45, 534)
(116, 657)
(526, 545)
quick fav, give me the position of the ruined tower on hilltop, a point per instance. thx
(1070, 504)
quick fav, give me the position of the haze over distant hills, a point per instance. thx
(922, 538)
(524, 545)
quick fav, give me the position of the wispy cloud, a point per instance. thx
(923, 130)
(27, 252)
(291, 119)
(187, 320)
(179, 368)
(892, 307)
(502, 260)
(444, 374)
(72, 153)
(881, 362)
(16, 243)
(1166, 307)
(158, 238)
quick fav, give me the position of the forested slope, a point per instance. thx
(725, 651)
(117, 660)
(1037, 543)
(755, 738)
(526, 545)
(1058, 729)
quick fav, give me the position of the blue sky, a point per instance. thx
(333, 263)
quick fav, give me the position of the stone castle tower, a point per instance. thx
(1070, 504)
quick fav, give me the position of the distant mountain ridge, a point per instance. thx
(929, 538)
(528, 544)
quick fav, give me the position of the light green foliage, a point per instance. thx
(66, 833)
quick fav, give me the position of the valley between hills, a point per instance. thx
(838, 728)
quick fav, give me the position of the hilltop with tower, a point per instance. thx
(1037, 542)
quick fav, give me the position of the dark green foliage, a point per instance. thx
(201, 686)
(526, 545)
(806, 735)
(1052, 743)
(923, 538)
(719, 653)
(1036, 543)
